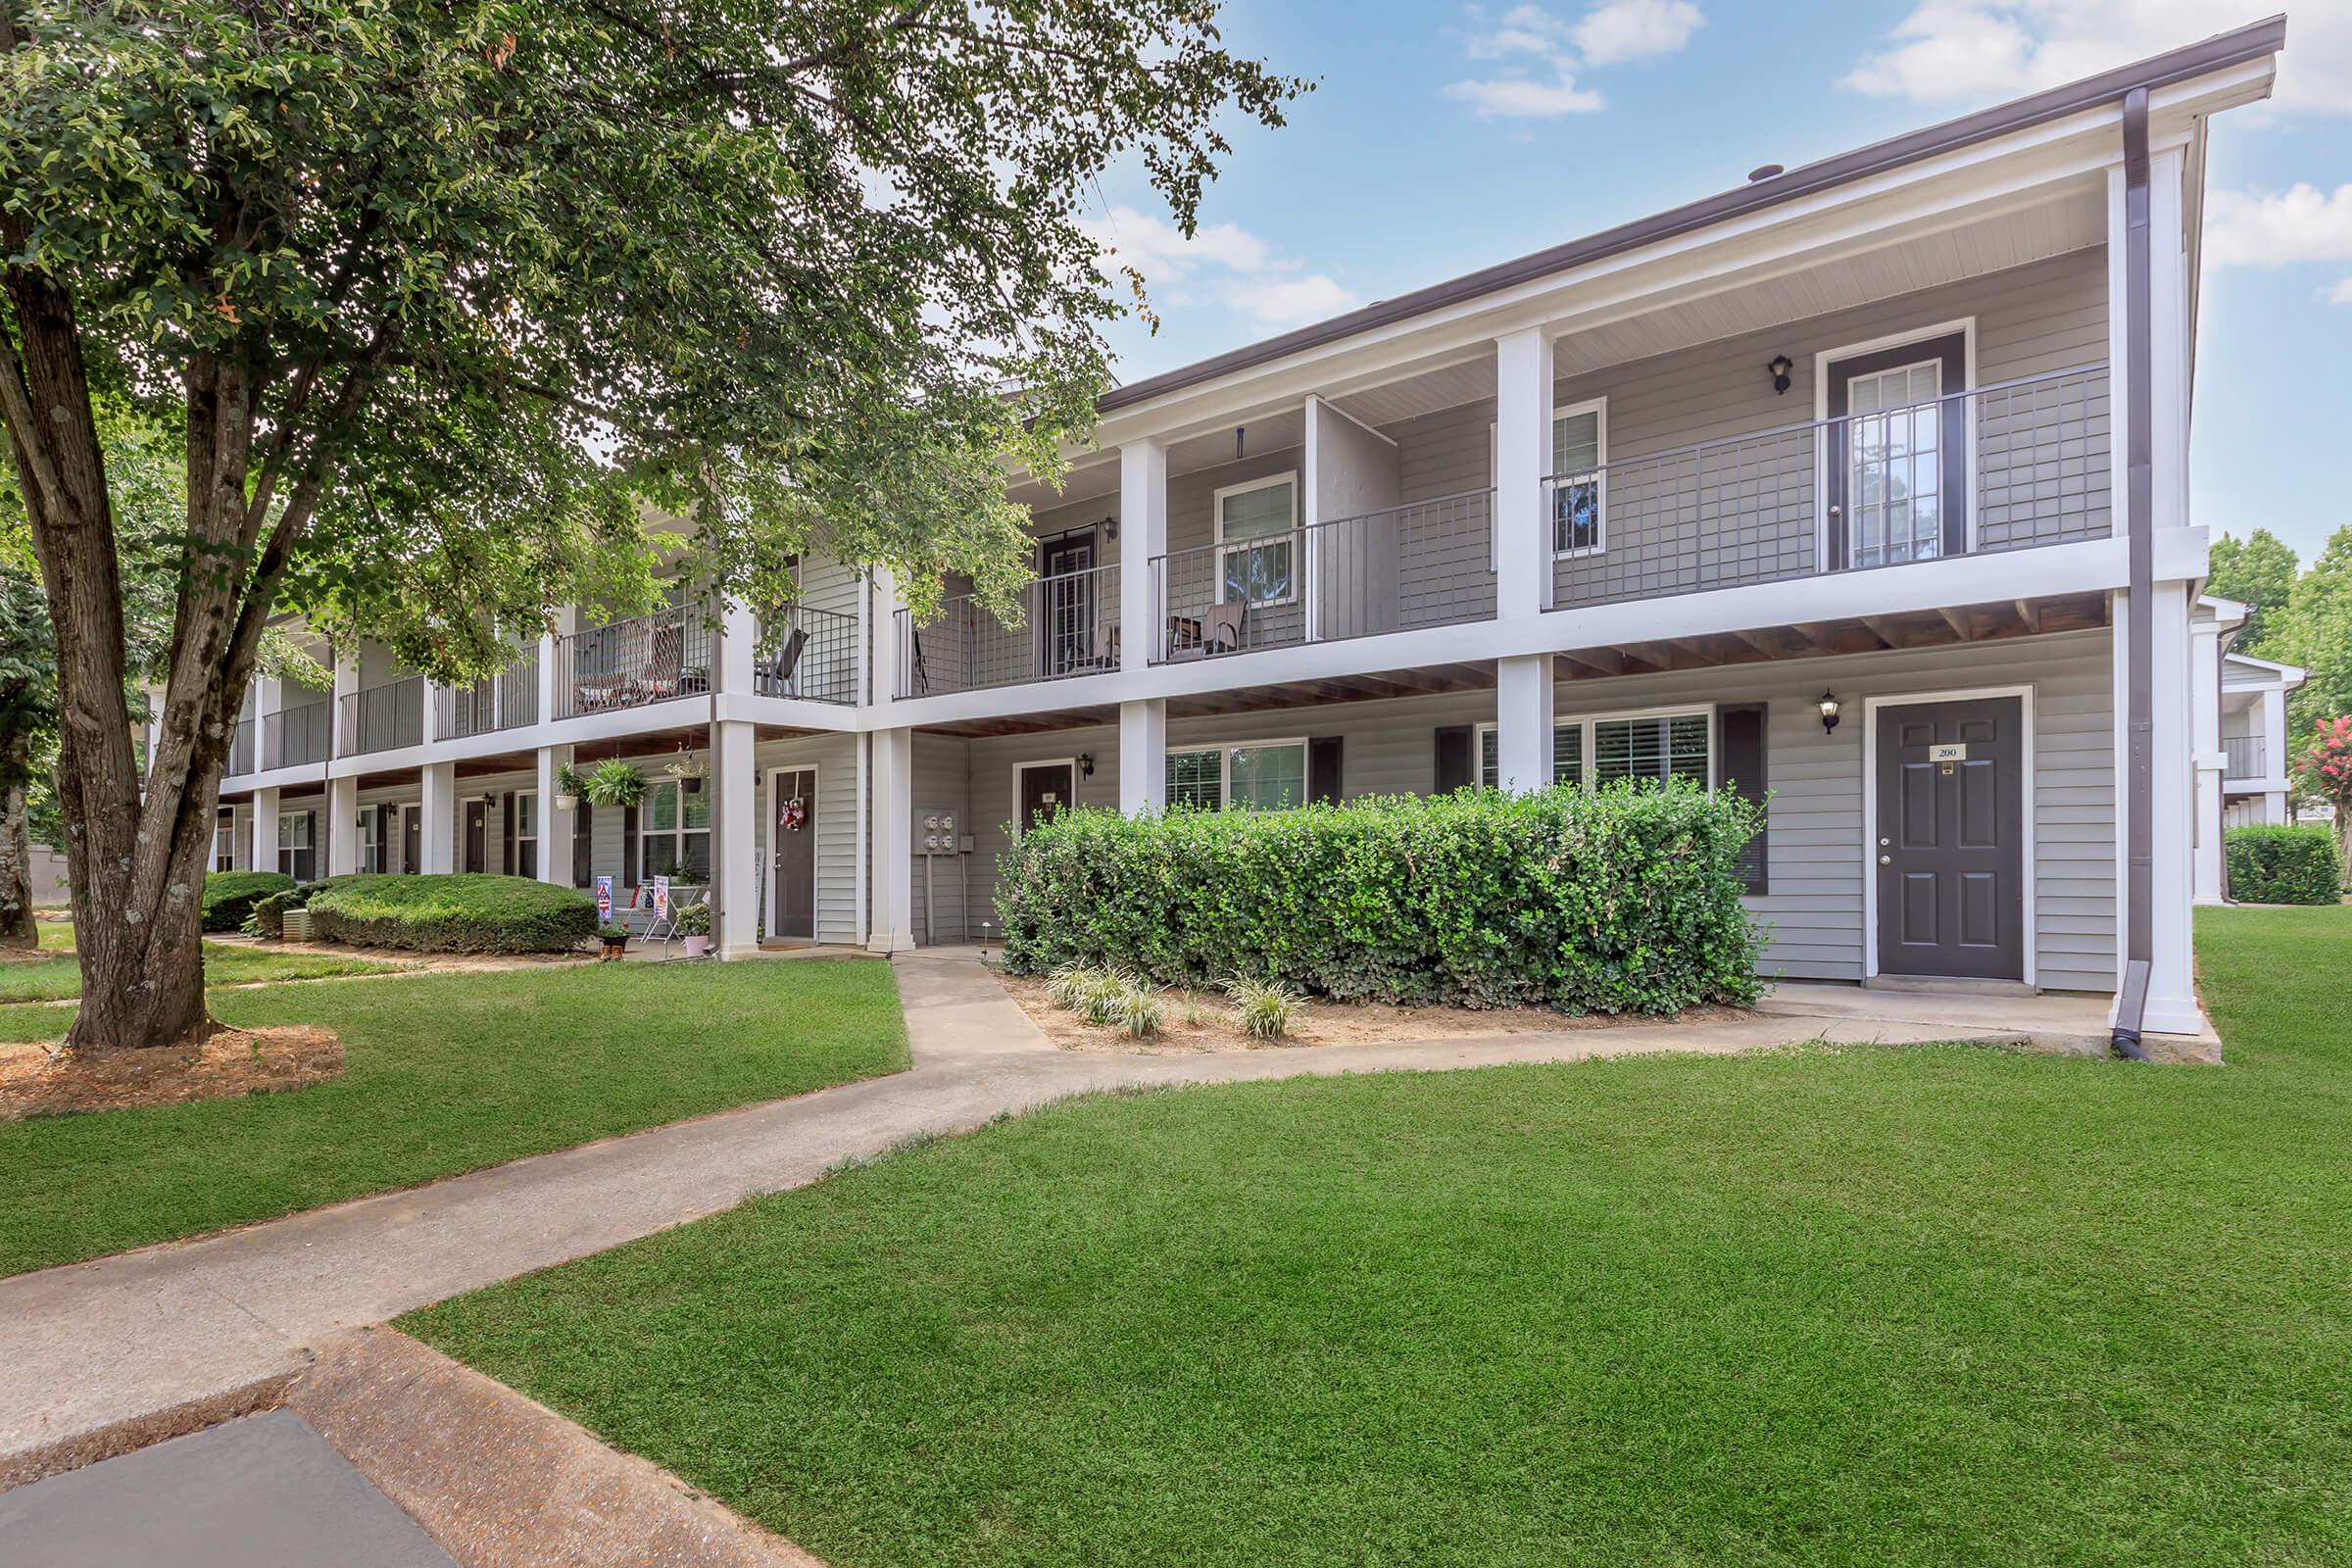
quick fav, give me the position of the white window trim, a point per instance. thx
(1020, 824)
(1586, 761)
(646, 831)
(1823, 359)
(1224, 751)
(1216, 514)
(1598, 407)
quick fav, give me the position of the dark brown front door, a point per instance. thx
(1046, 789)
(477, 835)
(412, 839)
(792, 835)
(1897, 469)
(1951, 839)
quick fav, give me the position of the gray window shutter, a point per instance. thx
(583, 840)
(506, 832)
(1456, 763)
(1741, 759)
(1323, 769)
(628, 847)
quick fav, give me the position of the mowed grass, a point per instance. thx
(1941, 1305)
(445, 1073)
(58, 977)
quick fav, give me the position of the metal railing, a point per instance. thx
(504, 700)
(2249, 755)
(1426, 564)
(241, 742)
(628, 664)
(382, 718)
(293, 737)
(1068, 625)
(1858, 491)
(806, 653)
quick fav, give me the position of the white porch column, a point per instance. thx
(732, 659)
(1142, 538)
(437, 824)
(894, 843)
(1523, 373)
(2212, 760)
(1144, 756)
(347, 684)
(265, 831)
(2276, 742)
(1523, 723)
(554, 825)
(2172, 881)
(427, 722)
(735, 850)
(568, 620)
(269, 698)
(884, 603)
(343, 825)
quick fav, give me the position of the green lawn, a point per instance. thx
(1857, 1306)
(53, 979)
(447, 1072)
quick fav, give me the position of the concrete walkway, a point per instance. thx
(98, 1358)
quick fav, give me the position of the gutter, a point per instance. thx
(2139, 654)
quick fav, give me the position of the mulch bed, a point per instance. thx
(41, 1080)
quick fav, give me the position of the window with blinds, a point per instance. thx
(1567, 755)
(1672, 745)
(1196, 779)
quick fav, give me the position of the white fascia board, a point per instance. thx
(789, 713)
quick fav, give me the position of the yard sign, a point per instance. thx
(662, 896)
(603, 897)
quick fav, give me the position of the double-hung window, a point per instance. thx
(1567, 755)
(369, 863)
(526, 833)
(1267, 775)
(224, 839)
(1579, 447)
(1652, 746)
(1258, 541)
(675, 830)
(297, 857)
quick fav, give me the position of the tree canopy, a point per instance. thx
(2259, 572)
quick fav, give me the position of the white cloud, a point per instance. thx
(2277, 228)
(1948, 51)
(2341, 294)
(1540, 54)
(1220, 264)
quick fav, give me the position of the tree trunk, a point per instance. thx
(17, 928)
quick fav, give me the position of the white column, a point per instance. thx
(1523, 694)
(734, 848)
(427, 727)
(554, 825)
(1142, 538)
(2172, 997)
(2211, 758)
(268, 697)
(2275, 739)
(437, 827)
(1144, 756)
(738, 640)
(1523, 372)
(893, 837)
(265, 831)
(884, 604)
(568, 620)
(343, 825)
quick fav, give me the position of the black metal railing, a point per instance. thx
(628, 664)
(383, 718)
(1426, 564)
(293, 737)
(806, 653)
(507, 700)
(2249, 755)
(1066, 625)
(242, 740)
(2010, 467)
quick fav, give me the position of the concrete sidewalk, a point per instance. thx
(99, 1357)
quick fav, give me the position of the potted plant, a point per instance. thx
(694, 924)
(615, 940)
(570, 785)
(614, 783)
(688, 770)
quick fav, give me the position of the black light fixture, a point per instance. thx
(1828, 705)
(1780, 368)
(1111, 525)
(1085, 764)
(1238, 431)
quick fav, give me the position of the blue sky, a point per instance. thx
(1446, 136)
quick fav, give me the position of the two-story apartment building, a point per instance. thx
(1861, 487)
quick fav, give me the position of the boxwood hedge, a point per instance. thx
(466, 913)
(1622, 900)
(2275, 863)
(229, 896)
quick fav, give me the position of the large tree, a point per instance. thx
(446, 295)
(2259, 572)
(2314, 631)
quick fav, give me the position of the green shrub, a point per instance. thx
(2281, 865)
(229, 896)
(1266, 1009)
(1624, 899)
(466, 913)
(268, 916)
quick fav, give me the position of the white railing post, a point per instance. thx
(1522, 376)
(734, 658)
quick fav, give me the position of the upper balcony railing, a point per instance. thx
(294, 737)
(507, 700)
(383, 718)
(628, 664)
(1068, 625)
(241, 742)
(807, 652)
(2249, 755)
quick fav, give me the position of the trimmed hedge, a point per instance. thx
(464, 914)
(2274, 863)
(229, 896)
(1623, 900)
(268, 916)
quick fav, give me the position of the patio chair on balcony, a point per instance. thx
(1105, 653)
(777, 674)
(664, 666)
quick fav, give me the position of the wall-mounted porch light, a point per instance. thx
(1111, 525)
(1085, 764)
(1780, 368)
(1828, 705)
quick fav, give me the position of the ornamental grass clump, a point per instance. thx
(1113, 999)
(1265, 1009)
(1621, 900)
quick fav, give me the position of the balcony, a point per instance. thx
(241, 742)
(507, 700)
(1068, 625)
(295, 737)
(2249, 755)
(383, 718)
(629, 663)
(807, 652)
